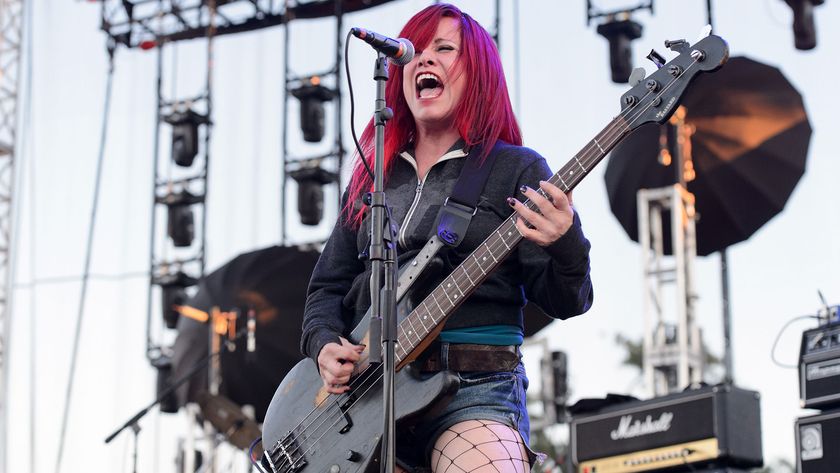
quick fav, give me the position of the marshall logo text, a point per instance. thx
(628, 429)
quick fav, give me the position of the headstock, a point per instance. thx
(656, 96)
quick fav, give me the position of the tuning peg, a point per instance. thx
(637, 76)
(678, 45)
(656, 58)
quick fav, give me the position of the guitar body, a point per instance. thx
(325, 435)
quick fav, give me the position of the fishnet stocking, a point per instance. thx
(480, 446)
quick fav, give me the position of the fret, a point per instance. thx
(424, 316)
(503, 239)
(478, 263)
(599, 146)
(565, 186)
(413, 330)
(443, 312)
(579, 164)
(467, 274)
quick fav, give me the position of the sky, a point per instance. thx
(563, 96)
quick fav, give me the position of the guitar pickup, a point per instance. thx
(344, 407)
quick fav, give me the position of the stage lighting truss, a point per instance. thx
(180, 217)
(185, 127)
(619, 30)
(312, 96)
(173, 283)
(311, 180)
(147, 24)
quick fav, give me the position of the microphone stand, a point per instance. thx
(133, 422)
(383, 319)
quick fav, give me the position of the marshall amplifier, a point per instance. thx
(713, 427)
(817, 438)
(819, 367)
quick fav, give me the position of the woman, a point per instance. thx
(451, 104)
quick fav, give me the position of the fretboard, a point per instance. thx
(449, 294)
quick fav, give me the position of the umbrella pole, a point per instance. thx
(728, 376)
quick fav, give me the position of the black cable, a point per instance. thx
(66, 279)
(353, 106)
(85, 274)
(779, 335)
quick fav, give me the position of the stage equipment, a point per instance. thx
(559, 385)
(180, 219)
(311, 181)
(749, 146)
(817, 438)
(229, 420)
(400, 51)
(173, 293)
(620, 33)
(819, 367)
(804, 31)
(272, 281)
(714, 426)
(185, 135)
(312, 96)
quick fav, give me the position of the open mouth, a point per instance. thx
(428, 85)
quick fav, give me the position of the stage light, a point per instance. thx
(620, 33)
(173, 293)
(180, 219)
(311, 182)
(560, 387)
(804, 30)
(185, 135)
(312, 96)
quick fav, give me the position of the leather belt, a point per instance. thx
(469, 357)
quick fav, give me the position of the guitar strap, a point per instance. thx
(454, 216)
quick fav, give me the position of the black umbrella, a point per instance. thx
(271, 281)
(750, 142)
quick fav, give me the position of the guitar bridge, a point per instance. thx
(286, 456)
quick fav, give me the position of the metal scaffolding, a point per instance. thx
(11, 19)
(673, 355)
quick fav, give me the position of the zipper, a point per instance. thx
(419, 189)
(417, 192)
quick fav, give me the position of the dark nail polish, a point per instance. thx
(511, 201)
(523, 189)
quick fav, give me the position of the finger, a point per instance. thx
(335, 389)
(541, 201)
(562, 201)
(534, 218)
(530, 233)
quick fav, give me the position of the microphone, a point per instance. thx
(400, 51)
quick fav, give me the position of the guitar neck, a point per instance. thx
(416, 331)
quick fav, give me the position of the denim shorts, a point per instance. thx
(492, 396)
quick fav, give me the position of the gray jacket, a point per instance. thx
(556, 278)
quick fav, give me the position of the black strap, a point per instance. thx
(458, 209)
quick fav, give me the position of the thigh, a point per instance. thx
(480, 446)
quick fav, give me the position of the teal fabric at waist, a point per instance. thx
(485, 335)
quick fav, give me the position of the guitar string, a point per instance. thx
(608, 133)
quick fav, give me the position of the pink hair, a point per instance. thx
(483, 116)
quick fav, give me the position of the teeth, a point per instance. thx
(426, 76)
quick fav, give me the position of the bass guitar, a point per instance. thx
(309, 430)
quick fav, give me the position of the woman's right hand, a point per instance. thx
(336, 363)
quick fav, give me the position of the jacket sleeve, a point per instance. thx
(325, 318)
(556, 277)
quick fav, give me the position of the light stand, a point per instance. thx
(383, 266)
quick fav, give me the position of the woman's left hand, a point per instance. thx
(554, 218)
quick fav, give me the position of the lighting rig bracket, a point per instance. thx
(147, 24)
